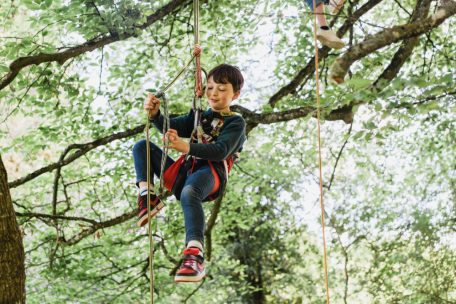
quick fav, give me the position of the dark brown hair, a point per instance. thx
(226, 73)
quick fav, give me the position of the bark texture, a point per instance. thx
(12, 269)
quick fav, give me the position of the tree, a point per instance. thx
(72, 84)
(12, 276)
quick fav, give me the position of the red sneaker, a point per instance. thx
(155, 206)
(192, 268)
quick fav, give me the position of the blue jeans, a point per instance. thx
(317, 2)
(197, 187)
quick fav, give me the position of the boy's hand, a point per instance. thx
(151, 105)
(176, 143)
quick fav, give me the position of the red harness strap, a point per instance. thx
(170, 175)
(216, 179)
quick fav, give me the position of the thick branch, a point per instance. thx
(388, 36)
(253, 119)
(17, 65)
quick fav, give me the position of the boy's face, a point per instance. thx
(220, 95)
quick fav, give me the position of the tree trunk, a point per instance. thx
(12, 269)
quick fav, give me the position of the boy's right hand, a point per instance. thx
(151, 105)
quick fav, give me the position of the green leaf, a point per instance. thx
(358, 83)
(31, 4)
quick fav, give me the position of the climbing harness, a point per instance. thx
(208, 130)
(322, 206)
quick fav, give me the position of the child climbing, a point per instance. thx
(201, 173)
(324, 34)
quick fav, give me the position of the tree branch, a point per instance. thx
(333, 174)
(322, 53)
(253, 119)
(17, 65)
(56, 217)
(406, 49)
(388, 36)
(424, 100)
(194, 291)
(210, 225)
(99, 225)
(81, 150)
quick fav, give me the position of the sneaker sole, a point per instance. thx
(189, 279)
(145, 218)
(330, 43)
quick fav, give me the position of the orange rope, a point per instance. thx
(198, 75)
(197, 51)
(322, 205)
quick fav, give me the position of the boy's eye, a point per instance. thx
(209, 88)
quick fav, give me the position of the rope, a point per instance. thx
(197, 54)
(166, 125)
(160, 191)
(322, 206)
(151, 240)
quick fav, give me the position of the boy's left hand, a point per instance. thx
(176, 143)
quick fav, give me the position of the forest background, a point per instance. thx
(73, 75)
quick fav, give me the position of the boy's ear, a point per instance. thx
(236, 95)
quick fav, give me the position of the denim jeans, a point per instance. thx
(197, 187)
(317, 2)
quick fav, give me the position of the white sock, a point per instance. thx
(196, 244)
(143, 191)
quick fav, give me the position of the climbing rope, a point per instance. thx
(161, 190)
(322, 205)
(151, 240)
(166, 124)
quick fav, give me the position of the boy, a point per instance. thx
(324, 34)
(206, 177)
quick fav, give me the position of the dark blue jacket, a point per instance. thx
(225, 142)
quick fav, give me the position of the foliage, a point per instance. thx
(389, 195)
